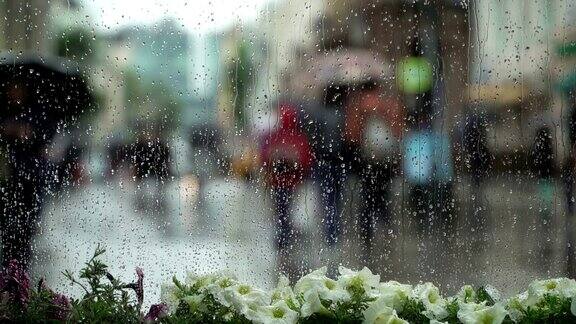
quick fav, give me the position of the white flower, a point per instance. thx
(358, 281)
(311, 304)
(466, 294)
(218, 289)
(195, 302)
(277, 313)
(203, 281)
(516, 306)
(378, 312)
(562, 287)
(283, 291)
(394, 294)
(573, 307)
(170, 295)
(326, 288)
(434, 304)
(245, 299)
(473, 313)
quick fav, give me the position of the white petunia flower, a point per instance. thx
(283, 291)
(170, 295)
(326, 288)
(218, 289)
(394, 294)
(516, 306)
(311, 304)
(562, 287)
(277, 313)
(195, 302)
(573, 307)
(473, 313)
(246, 299)
(466, 294)
(358, 281)
(434, 304)
(203, 281)
(378, 312)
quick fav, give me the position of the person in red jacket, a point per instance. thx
(286, 158)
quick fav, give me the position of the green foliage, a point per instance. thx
(482, 295)
(40, 309)
(351, 311)
(241, 77)
(77, 44)
(150, 100)
(452, 308)
(413, 312)
(551, 309)
(106, 299)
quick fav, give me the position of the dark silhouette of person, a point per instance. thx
(374, 127)
(40, 97)
(543, 168)
(324, 125)
(150, 157)
(476, 149)
(286, 159)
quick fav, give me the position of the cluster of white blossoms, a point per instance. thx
(360, 297)
(543, 296)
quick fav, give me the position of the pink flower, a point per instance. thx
(62, 307)
(61, 303)
(16, 282)
(156, 312)
(140, 285)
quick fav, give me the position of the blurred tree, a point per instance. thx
(76, 43)
(150, 101)
(240, 78)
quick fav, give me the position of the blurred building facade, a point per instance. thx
(516, 71)
(26, 29)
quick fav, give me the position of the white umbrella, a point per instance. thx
(342, 67)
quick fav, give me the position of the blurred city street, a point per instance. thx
(231, 229)
(427, 140)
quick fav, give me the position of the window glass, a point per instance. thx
(426, 140)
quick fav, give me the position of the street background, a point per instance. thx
(427, 140)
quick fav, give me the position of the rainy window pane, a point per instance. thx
(426, 140)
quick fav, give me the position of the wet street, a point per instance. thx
(227, 225)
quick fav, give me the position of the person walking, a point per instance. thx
(286, 158)
(37, 106)
(374, 127)
(324, 125)
(542, 167)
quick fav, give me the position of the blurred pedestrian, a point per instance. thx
(325, 127)
(428, 168)
(40, 97)
(475, 145)
(151, 167)
(287, 158)
(374, 127)
(478, 161)
(542, 167)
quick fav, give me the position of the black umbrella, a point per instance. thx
(44, 94)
